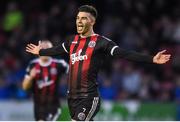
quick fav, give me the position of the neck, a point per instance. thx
(89, 33)
(44, 61)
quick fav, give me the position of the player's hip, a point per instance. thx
(82, 109)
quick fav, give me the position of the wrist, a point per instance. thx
(154, 60)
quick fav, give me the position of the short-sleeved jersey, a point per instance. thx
(86, 57)
(46, 82)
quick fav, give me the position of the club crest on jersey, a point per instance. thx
(53, 71)
(92, 44)
(78, 57)
(81, 116)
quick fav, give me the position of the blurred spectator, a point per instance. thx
(131, 81)
(13, 17)
(108, 90)
(177, 97)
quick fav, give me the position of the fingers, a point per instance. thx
(166, 56)
(29, 50)
(32, 48)
(161, 52)
(31, 45)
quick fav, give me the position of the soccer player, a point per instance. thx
(42, 76)
(87, 51)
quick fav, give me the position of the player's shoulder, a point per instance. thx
(104, 38)
(103, 41)
(60, 61)
(34, 61)
(71, 38)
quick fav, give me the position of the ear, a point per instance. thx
(93, 21)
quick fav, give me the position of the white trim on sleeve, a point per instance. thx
(112, 50)
(64, 47)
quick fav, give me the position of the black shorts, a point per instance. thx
(47, 115)
(83, 109)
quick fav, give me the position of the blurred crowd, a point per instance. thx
(146, 26)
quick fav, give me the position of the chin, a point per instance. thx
(79, 32)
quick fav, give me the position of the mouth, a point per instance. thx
(80, 27)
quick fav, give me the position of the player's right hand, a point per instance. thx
(34, 49)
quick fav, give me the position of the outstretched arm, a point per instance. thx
(116, 51)
(36, 49)
(159, 58)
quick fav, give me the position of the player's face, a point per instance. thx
(45, 45)
(84, 22)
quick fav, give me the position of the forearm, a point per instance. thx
(27, 83)
(52, 51)
(132, 56)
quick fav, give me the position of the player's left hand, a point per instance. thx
(161, 58)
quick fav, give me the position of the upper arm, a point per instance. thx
(111, 48)
(27, 81)
(108, 46)
(66, 44)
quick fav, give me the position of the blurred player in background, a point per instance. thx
(42, 76)
(87, 51)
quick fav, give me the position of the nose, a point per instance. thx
(78, 21)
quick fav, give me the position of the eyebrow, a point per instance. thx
(84, 17)
(81, 17)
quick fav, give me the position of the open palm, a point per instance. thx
(34, 49)
(161, 58)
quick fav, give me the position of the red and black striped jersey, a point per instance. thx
(86, 57)
(46, 83)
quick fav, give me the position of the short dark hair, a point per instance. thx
(89, 9)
